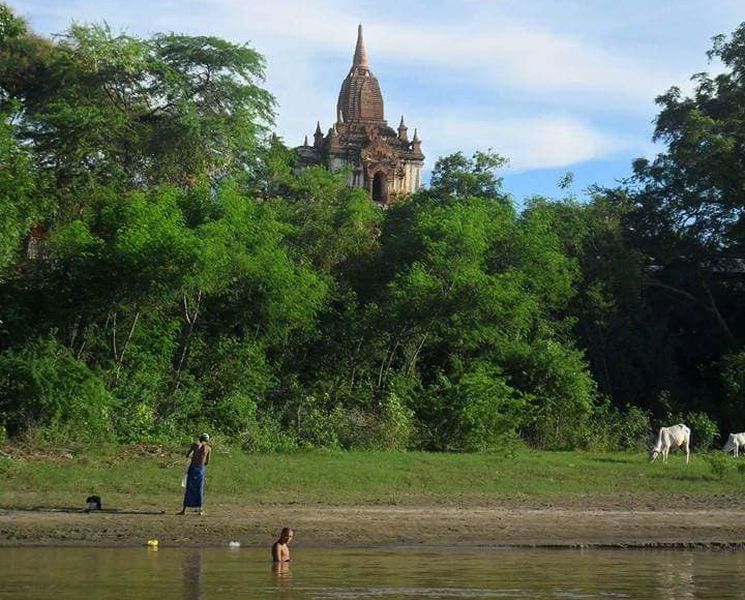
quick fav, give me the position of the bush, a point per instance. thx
(231, 370)
(703, 430)
(397, 418)
(387, 424)
(635, 429)
(233, 414)
(42, 385)
(561, 391)
(718, 463)
(266, 434)
(145, 379)
(180, 415)
(472, 412)
(316, 425)
(134, 422)
(611, 428)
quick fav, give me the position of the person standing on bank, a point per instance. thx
(199, 453)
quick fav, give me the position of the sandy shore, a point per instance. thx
(385, 525)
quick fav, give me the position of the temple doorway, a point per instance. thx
(380, 188)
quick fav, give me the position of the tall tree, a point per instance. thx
(688, 224)
(101, 108)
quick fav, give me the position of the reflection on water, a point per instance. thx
(675, 578)
(281, 570)
(214, 574)
(192, 575)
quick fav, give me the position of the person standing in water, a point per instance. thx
(200, 453)
(281, 548)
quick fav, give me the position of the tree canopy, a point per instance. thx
(165, 267)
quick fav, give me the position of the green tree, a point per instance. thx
(688, 224)
(102, 108)
(21, 202)
(457, 176)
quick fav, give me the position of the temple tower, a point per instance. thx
(381, 159)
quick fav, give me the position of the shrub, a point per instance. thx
(266, 434)
(316, 425)
(134, 422)
(231, 370)
(233, 414)
(385, 424)
(474, 411)
(42, 385)
(611, 428)
(718, 463)
(635, 429)
(561, 391)
(703, 429)
(397, 418)
(180, 415)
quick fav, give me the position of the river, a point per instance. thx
(360, 574)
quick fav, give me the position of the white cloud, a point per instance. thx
(529, 143)
(551, 81)
(491, 53)
(506, 54)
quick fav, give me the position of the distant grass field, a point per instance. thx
(132, 477)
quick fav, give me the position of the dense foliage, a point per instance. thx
(164, 269)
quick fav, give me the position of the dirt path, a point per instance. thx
(384, 525)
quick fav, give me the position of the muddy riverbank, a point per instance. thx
(383, 525)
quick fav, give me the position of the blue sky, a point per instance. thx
(555, 85)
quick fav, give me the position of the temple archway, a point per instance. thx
(380, 188)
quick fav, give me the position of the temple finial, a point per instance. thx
(360, 54)
(318, 128)
(416, 144)
(305, 143)
(402, 131)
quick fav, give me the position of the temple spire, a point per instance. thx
(360, 54)
(318, 136)
(416, 145)
(402, 129)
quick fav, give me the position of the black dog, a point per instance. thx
(92, 503)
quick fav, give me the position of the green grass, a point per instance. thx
(132, 477)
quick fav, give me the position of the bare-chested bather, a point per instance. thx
(281, 548)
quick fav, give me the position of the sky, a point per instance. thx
(556, 86)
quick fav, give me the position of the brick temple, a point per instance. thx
(382, 160)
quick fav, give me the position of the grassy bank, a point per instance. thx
(137, 477)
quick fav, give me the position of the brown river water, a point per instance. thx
(359, 574)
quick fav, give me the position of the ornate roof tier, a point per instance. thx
(360, 98)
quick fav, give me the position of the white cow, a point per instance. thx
(735, 441)
(675, 436)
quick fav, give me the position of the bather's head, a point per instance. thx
(204, 437)
(286, 535)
